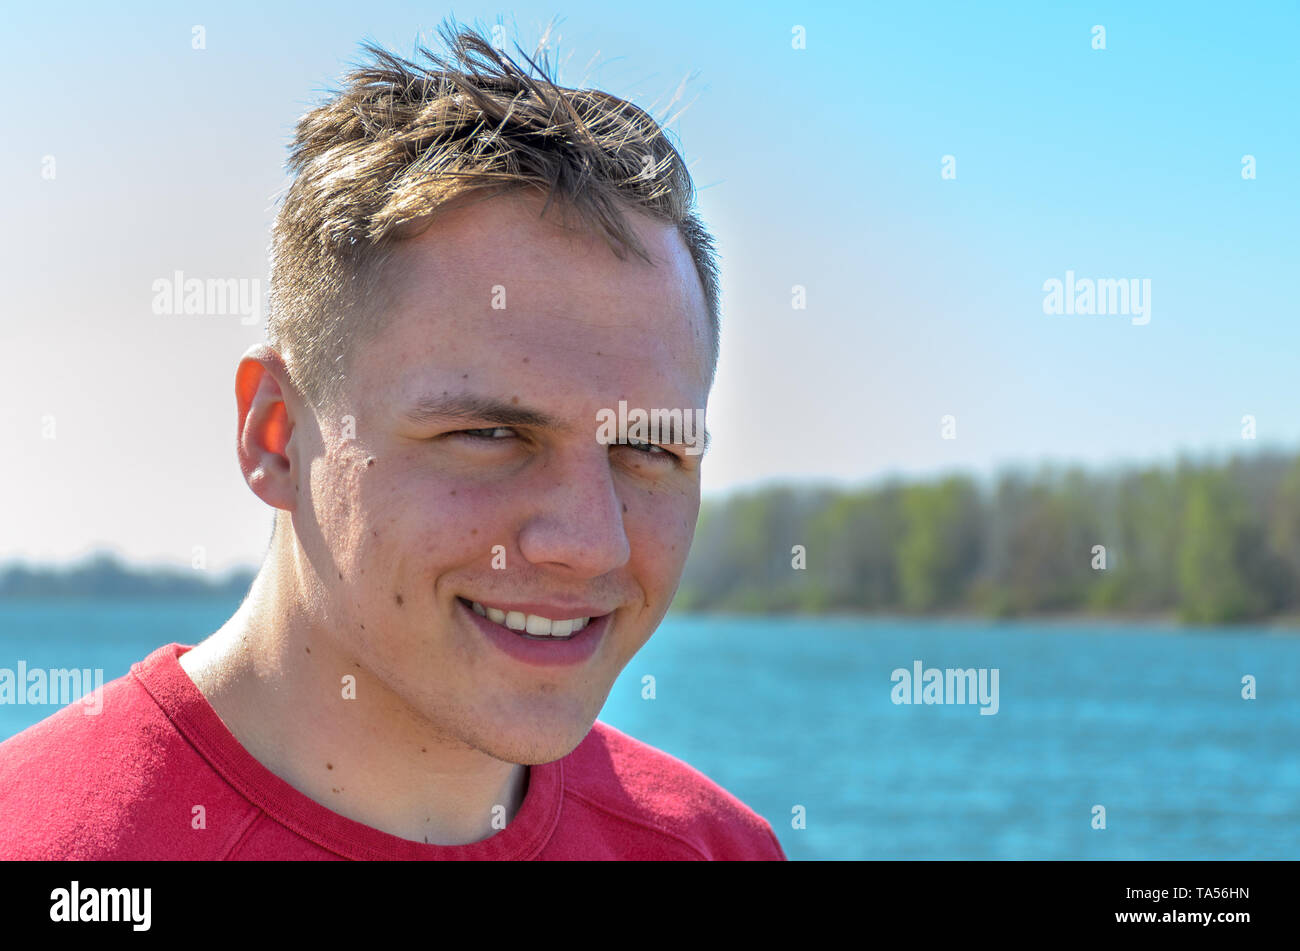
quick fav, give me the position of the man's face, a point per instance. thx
(410, 522)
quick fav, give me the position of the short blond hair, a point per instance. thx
(400, 141)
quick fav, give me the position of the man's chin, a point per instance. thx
(537, 742)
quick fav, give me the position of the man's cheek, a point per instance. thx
(660, 528)
(458, 530)
(429, 535)
(343, 503)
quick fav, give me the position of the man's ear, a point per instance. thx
(263, 394)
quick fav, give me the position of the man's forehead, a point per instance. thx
(569, 340)
(498, 254)
(562, 391)
(486, 298)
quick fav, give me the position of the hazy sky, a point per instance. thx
(818, 167)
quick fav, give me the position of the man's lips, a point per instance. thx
(540, 650)
(538, 619)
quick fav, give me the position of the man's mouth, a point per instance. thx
(532, 626)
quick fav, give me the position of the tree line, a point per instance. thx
(1208, 542)
(105, 575)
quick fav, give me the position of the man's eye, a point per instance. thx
(490, 432)
(648, 448)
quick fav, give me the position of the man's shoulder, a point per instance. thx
(634, 784)
(109, 779)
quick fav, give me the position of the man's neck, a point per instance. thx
(282, 693)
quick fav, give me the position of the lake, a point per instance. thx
(796, 716)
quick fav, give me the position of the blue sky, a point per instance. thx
(818, 167)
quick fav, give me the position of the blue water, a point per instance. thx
(1148, 722)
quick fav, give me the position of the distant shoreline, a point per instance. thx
(1282, 623)
(104, 575)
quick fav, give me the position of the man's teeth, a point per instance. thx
(532, 623)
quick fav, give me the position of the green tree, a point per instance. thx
(1222, 542)
(940, 544)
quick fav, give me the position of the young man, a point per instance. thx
(471, 269)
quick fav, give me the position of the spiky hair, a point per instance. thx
(402, 139)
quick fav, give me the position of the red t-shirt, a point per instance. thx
(123, 784)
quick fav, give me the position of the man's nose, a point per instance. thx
(576, 518)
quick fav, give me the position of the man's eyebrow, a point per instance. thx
(488, 410)
(479, 408)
